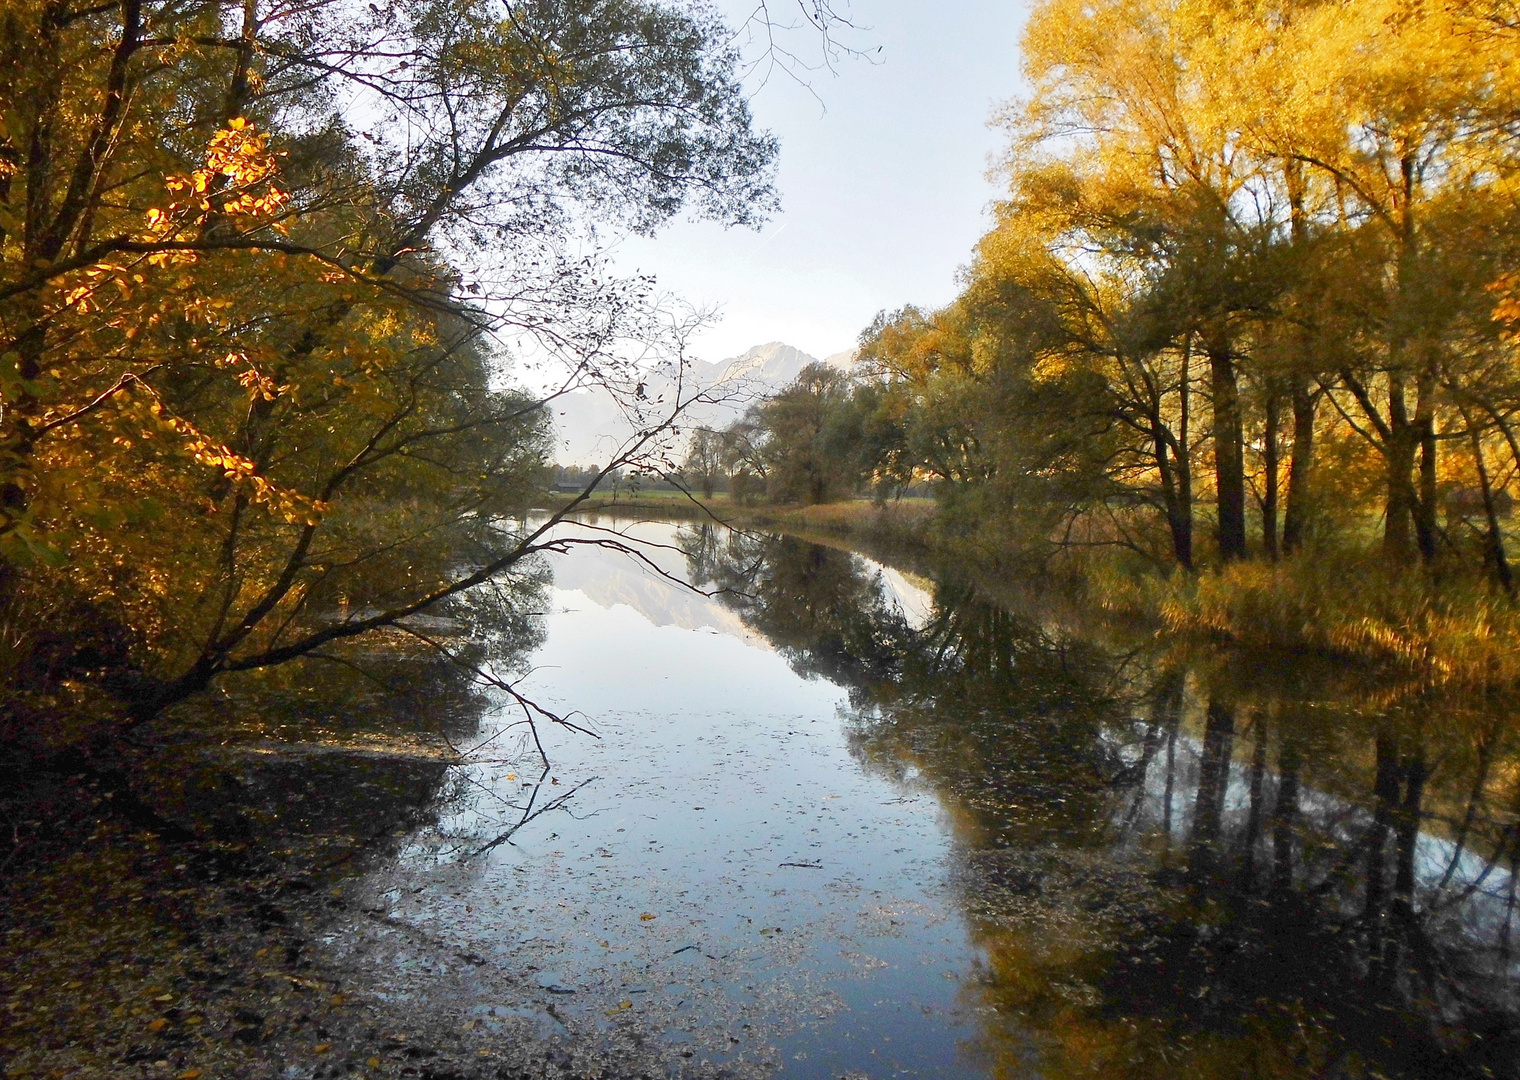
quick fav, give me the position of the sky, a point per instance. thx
(883, 180)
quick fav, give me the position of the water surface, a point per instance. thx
(841, 820)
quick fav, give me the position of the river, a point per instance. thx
(818, 816)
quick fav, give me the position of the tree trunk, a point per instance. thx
(1403, 438)
(1182, 534)
(1495, 539)
(1425, 528)
(1178, 521)
(1229, 455)
(1300, 467)
(1254, 815)
(1400, 450)
(1269, 466)
(1385, 789)
(1213, 780)
(1285, 813)
(1300, 464)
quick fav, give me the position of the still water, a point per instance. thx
(829, 818)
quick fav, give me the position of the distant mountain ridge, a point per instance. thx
(589, 427)
(775, 363)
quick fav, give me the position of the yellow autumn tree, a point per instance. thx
(258, 276)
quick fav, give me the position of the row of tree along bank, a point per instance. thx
(1251, 295)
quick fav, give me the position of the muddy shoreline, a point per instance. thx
(131, 954)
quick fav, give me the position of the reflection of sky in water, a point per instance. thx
(729, 882)
(912, 599)
(717, 766)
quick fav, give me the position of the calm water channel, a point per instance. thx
(841, 820)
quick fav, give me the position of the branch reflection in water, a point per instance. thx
(1132, 858)
(1177, 862)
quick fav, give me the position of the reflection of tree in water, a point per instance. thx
(1179, 866)
(354, 724)
(814, 603)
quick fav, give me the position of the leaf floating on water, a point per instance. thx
(647, 916)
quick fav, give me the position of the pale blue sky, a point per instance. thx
(884, 186)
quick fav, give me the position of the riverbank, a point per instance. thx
(1346, 607)
(902, 522)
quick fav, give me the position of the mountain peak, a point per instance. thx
(775, 362)
(589, 423)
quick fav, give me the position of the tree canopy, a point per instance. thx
(260, 266)
(1252, 278)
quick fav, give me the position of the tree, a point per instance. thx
(257, 270)
(1403, 110)
(812, 438)
(704, 460)
(1216, 216)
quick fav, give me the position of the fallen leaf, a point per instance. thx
(164, 997)
(190, 1074)
(157, 1025)
(373, 1063)
(322, 1048)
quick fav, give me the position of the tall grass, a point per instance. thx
(896, 519)
(1450, 630)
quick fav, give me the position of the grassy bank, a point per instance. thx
(1354, 607)
(902, 521)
